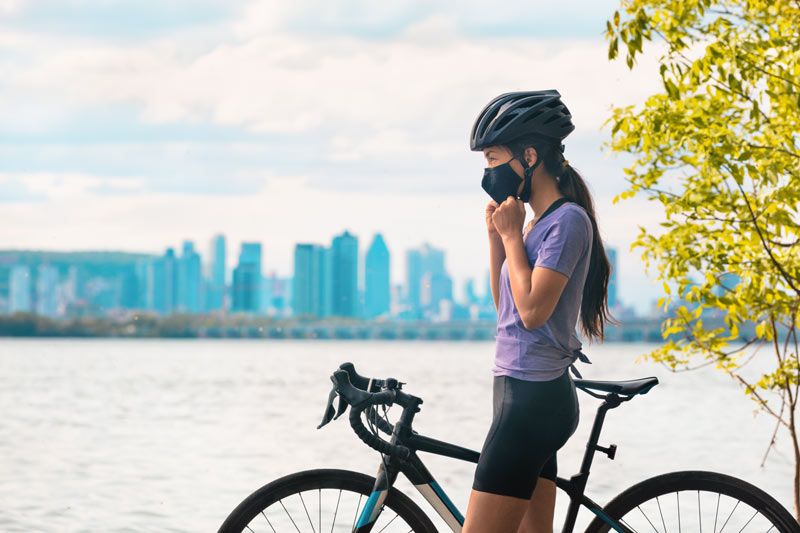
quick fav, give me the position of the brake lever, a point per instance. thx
(329, 410)
(341, 408)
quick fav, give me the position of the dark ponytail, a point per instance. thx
(594, 305)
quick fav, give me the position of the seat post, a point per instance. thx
(611, 401)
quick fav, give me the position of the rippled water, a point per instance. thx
(169, 435)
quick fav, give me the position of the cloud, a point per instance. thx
(290, 116)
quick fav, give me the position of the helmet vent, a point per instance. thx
(503, 121)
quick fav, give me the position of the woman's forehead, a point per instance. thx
(496, 150)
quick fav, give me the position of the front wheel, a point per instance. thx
(320, 500)
(695, 501)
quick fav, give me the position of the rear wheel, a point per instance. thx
(323, 500)
(696, 501)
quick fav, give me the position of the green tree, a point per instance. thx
(719, 149)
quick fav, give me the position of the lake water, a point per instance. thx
(170, 435)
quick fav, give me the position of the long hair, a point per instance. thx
(594, 305)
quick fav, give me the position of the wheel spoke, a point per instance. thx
(658, 502)
(678, 497)
(290, 516)
(624, 523)
(389, 522)
(336, 510)
(648, 520)
(319, 501)
(356, 516)
(699, 516)
(308, 515)
(745, 524)
(268, 522)
(729, 516)
(716, 513)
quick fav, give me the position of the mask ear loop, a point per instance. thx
(525, 195)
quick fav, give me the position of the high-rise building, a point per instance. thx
(19, 294)
(216, 282)
(281, 294)
(344, 275)
(419, 262)
(162, 283)
(311, 284)
(189, 280)
(436, 287)
(377, 284)
(142, 274)
(47, 290)
(470, 297)
(612, 281)
(247, 279)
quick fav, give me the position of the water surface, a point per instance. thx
(169, 435)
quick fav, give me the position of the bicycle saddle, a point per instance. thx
(629, 387)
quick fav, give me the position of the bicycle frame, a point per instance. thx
(419, 476)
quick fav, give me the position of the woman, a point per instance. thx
(542, 280)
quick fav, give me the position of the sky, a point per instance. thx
(134, 125)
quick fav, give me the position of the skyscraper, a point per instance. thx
(281, 294)
(436, 288)
(421, 261)
(216, 282)
(377, 286)
(189, 279)
(20, 290)
(47, 290)
(344, 275)
(247, 279)
(162, 282)
(311, 285)
(469, 292)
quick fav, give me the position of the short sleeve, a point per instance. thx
(565, 243)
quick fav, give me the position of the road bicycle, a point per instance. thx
(323, 500)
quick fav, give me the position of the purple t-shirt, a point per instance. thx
(561, 241)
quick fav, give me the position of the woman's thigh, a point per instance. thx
(532, 420)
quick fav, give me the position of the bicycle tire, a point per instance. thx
(254, 506)
(646, 492)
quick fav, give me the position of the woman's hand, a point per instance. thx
(508, 217)
(490, 209)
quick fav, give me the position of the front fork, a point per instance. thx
(384, 479)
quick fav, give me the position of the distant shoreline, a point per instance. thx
(237, 326)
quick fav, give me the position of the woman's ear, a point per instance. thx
(530, 155)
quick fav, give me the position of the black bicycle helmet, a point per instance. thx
(514, 115)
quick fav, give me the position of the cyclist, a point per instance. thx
(542, 280)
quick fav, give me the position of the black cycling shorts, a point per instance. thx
(531, 421)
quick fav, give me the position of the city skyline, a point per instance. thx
(341, 279)
(187, 141)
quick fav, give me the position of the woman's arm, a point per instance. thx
(497, 254)
(536, 291)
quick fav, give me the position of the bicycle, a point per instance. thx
(648, 505)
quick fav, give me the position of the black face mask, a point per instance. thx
(502, 181)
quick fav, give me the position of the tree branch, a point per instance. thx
(780, 268)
